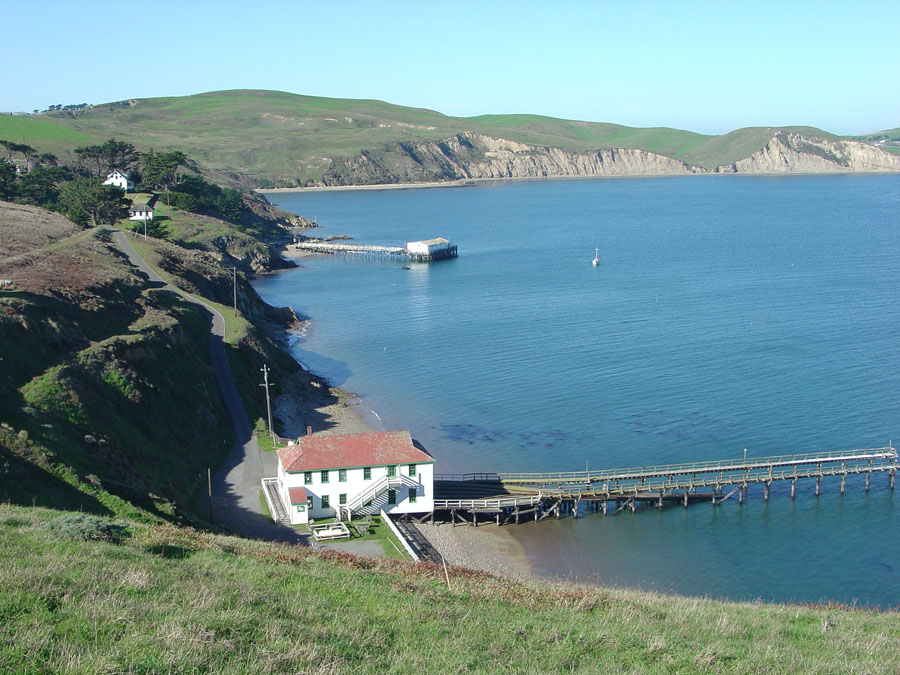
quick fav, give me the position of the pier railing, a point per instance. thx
(881, 456)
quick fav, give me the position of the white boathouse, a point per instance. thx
(431, 249)
(325, 476)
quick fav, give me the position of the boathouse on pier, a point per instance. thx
(430, 249)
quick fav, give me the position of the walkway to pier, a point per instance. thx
(508, 496)
(350, 249)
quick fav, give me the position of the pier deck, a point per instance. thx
(507, 496)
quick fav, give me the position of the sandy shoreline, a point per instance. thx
(385, 186)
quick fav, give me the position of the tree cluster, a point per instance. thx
(78, 192)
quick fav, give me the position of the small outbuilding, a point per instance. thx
(142, 210)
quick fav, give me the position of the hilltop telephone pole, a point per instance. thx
(265, 372)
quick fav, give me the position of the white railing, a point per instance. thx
(390, 523)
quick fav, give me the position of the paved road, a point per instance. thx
(236, 485)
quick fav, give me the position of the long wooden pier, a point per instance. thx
(350, 249)
(429, 250)
(507, 496)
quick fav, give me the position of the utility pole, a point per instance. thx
(265, 372)
(234, 269)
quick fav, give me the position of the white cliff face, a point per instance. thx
(475, 156)
(794, 153)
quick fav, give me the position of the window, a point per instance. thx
(392, 471)
(342, 475)
(325, 501)
(368, 503)
(325, 476)
(412, 495)
(367, 473)
(392, 496)
(309, 502)
(412, 470)
(307, 478)
(342, 499)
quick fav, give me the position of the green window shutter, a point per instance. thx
(412, 495)
(342, 475)
(325, 476)
(342, 499)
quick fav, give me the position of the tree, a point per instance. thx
(91, 157)
(48, 159)
(41, 186)
(118, 155)
(7, 180)
(87, 199)
(161, 170)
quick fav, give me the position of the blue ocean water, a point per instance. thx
(727, 312)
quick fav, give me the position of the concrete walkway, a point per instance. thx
(237, 483)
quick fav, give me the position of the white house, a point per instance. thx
(323, 476)
(119, 179)
(142, 211)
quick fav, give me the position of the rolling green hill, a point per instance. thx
(268, 138)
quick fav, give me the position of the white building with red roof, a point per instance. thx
(325, 476)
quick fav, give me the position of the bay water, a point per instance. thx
(727, 312)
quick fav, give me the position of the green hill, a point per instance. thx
(271, 138)
(88, 595)
(108, 402)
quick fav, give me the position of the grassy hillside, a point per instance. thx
(86, 596)
(108, 402)
(278, 138)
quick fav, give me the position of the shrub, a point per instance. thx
(84, 527)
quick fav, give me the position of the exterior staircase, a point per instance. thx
(371, 493)
(273, 499)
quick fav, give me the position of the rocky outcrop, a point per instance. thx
(794, 153)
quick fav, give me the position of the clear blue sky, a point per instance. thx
(705, 66)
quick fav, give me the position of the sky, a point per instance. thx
(708, 67)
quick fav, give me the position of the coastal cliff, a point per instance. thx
(795, 153)
(476, 156)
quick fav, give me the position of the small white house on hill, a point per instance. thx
(324, 476)
(119, 179)
(142, 210)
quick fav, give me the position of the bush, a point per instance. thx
(83, 527)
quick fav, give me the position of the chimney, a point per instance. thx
(309, 431)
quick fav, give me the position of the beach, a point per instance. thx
(381, 186)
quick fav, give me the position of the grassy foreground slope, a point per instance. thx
(276, 138)
(166, 599)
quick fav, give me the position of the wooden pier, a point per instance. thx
(429, 250)
(506, 497)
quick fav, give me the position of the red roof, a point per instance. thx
(298, 495)
(344, 451)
